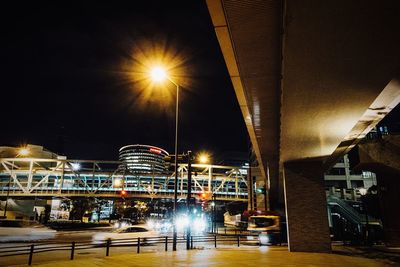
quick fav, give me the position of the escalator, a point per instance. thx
(348, 224)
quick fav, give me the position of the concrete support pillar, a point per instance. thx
(306, 209)
(274, 203)
(389, 188)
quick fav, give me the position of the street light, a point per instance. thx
(158, 74)
(76, 166)
(23, 151)
(363, 192)
(203, 158)
(117, 182)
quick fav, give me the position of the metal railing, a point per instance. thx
(139, 242)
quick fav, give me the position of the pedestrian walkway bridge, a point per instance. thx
(30, 177)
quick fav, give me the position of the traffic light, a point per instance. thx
(123, 193)
(204, 196)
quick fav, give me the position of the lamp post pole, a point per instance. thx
(188, 198)
(176, 166)
(158, 74)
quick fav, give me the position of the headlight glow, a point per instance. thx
(181, 223)
(264, 239)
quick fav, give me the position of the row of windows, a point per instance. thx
(142, 160)
(132, 156)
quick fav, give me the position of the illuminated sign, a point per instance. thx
(157, 151)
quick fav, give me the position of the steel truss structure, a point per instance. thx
(29, 177)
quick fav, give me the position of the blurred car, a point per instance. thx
(162, 226)
(130, 232)
(268, 228)
(124, 222)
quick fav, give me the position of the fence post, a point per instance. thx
(166, 243)
(188, 240)
(108, 247)
(30, 255)
(215, 241)
(72, 250)
(138, 245)
(238, 240)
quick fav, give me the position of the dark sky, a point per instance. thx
(65, 78)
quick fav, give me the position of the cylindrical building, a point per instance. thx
(143, 158)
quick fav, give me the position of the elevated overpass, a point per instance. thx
(312, 78)
(382, 156)
(30, 177)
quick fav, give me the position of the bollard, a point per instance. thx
(191, 242)
(72, 250)
(166, 243)
(238, 240)
(187, 240)
(30, 255)
(215, 241)
(138, 245)
(108, 247)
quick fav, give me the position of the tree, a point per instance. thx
(80, 207)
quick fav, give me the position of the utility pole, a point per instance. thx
(189, 197)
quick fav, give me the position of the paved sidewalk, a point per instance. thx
(263, 256)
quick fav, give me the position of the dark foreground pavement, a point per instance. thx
(262, 256)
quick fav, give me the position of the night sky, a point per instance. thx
(69, 79)
(72, 81)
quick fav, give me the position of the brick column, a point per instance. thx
(389, 196)
(306, 210)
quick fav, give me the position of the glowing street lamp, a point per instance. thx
(158, 74)
(23, 151)
(117, 182)
(76, 166)
(203, 158)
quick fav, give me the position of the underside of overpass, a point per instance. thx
(312, 78)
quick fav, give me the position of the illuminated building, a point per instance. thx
(143, 158)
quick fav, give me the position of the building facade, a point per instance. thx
(143, 158)
(341, 176)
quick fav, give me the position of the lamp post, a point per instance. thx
(158, 74)
(363, 192)
(188, 198)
